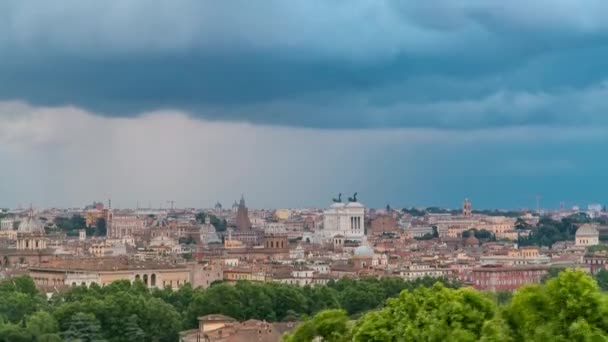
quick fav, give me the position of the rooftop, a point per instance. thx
(106, 264)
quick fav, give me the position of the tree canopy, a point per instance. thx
(568, 307)
(124, 311)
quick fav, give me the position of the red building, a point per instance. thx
(505, 278)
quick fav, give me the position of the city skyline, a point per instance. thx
(169, 205)
(421, 106)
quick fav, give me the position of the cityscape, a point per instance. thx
(488, 250)
(303, 171)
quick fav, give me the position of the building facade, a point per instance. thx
(347, 219)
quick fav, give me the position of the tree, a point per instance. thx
(70, 225)
(132, 330)
(14, 305)
(101, 227)
(330, 325)
(414, 212)
(520, 224)
(42, 324)
(83, 328)
(569, 307)
(428, 314)
(602, 279)
(435, 232)
(10, 332)
(187, 240)
(219, 224)
(495, 330)
(483, 234)
(503, 297)
(552, 273)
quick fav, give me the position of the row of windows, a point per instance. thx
(517, 281)
(45, 281)
(355, 222)
(512, 273)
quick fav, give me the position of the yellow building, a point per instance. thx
(92, 216)
(244, 273)
(282, 214)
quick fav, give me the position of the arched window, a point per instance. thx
(153, 280)
(146, 279)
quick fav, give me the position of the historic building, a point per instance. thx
(276, 241)
(103, 271)
(223, 328)
(30, 235)
(347, 219)
(119, 226)
(467, 210)
(383, 224)
(204, 274)
(207, 232)
(7, 224)
(242, 217)
(587, 235)
(504, 278)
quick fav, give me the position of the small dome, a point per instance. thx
(337, 205)
(587, 230)
(364, 250)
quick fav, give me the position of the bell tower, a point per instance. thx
(467, 210)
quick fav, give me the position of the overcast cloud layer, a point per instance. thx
(232, 96)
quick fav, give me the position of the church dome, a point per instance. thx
(30, 225)
(587, 230)
(364, 250)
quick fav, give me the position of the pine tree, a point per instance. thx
(132, 330)
(83, 328)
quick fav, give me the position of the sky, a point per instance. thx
(408, 103)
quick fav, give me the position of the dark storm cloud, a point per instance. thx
(328, 64)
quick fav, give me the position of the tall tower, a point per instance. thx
(242, 217)
(467, 210)
(109, 217)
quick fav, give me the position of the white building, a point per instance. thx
(346, 219)
(6, 224)
(413, 272)
(207, 232)
(587, 235)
